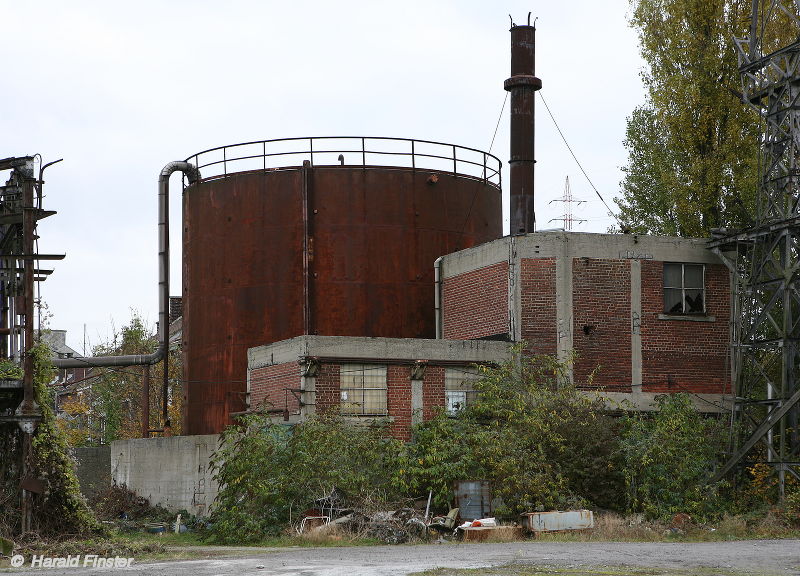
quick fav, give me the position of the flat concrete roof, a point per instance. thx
(579, 245)
(357, 347)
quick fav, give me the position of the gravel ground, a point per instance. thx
(762, 557)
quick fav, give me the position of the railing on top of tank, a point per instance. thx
(349, 151)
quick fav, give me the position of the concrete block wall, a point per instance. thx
(93, 468)
(172, 472)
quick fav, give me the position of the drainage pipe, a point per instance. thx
(437, 299)
(193, 175)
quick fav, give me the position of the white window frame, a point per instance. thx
(683, 288)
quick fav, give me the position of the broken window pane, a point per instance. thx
(459, 387)
(684, 290)
(673, 300)
(694, 302)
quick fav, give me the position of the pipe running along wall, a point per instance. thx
(193, 174)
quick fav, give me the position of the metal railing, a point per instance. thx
(364, 151)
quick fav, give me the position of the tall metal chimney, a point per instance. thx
(523, 85)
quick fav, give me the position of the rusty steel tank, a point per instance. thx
(330, 236)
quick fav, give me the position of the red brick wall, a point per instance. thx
(475, 304)
(601, 300)
(398, 390)
(680, 355)
(432, 391)
(398, 385)
(328, 392)
(538, 304)
(267, 386)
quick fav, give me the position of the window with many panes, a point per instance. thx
(363, 390)
(459, 389)
(684, 288)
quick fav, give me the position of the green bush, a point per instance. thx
(669, 457)
(269, 474)
(539, 441)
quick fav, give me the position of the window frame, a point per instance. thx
(466, 378)
(683, 289)
(372, 378)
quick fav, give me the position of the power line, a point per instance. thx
(498, 122)
(610, 212)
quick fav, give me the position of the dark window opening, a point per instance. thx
(684, 288)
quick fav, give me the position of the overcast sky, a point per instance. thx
(119, 89)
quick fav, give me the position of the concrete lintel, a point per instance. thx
(377, 348)
(646, 401)
(581, 245)
(475, 258)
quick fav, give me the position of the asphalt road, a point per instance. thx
(762, 557)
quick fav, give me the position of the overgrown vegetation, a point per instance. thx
(270, 474)
(60, 509)
(107, 404)
(540, 442)
(669, 457)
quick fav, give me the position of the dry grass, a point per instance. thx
(325, 535)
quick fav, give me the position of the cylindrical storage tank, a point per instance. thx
(323, 246)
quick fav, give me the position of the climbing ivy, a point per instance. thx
(60, 509)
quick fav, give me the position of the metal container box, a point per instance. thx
(558, 521)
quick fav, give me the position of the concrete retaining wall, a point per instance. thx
(171, 472)
(93, 469)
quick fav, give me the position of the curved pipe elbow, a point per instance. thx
(193, 175)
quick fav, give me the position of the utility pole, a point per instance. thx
(765, 259)
(568, 200)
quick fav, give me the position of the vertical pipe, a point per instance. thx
(28, 407)
(145, 401)
(307, 167)
(437, 298)
(28, 225)
(523, 85)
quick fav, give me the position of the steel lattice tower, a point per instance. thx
(765, 258)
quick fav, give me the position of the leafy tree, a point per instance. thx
(109, 406)
(693, 146)
(669, 459)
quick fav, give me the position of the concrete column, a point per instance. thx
(564, 305)
(514, 292)
(636, 324)
(308, 394)
(417, 404)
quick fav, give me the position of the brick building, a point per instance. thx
(399, 380)
(636, 316)
(642, 315)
